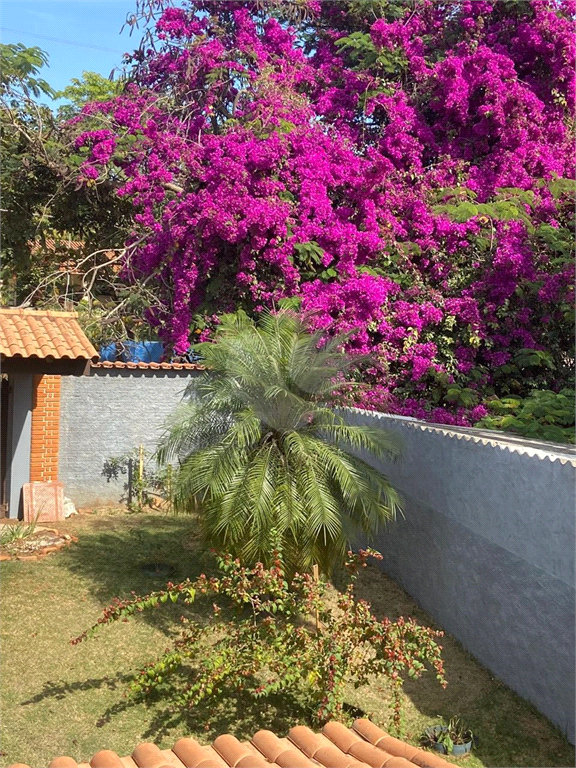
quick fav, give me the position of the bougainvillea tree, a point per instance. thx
(399, 168)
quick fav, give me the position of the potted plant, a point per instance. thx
(454, 738)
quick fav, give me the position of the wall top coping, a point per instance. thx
(118, 365)
(564, 453)
(145, 370)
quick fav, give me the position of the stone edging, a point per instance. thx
(68, 539)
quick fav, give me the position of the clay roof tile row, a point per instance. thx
(30, 333)
(149, 366)
(51, 244)
(362, 746)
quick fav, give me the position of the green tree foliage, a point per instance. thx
(30, 157)
(56, 234)
(19, 71)
(91, 87)
(61, 241)
(543, 415)
(269, 463)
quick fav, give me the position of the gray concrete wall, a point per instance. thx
(108, 414)
(487, 548)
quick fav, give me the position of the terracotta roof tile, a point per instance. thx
(269, 745)
(369, 754)
(106, 759)
(150, 366)
(305, 739)
(388, 743)
(292, 758)
(148, 755)
(363, 746)
(230, 749)
(252, 761)
(189, 752)
(31, 333)
(64, 246)
(51, 244)
(127, 762)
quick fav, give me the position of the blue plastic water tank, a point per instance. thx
(142, 351)
(133, 352)
(108, 352)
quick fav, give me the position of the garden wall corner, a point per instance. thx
(487, 547)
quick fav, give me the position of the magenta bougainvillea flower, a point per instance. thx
(399, 169)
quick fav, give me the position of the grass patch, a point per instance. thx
(63, 699)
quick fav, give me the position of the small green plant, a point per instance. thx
(268, 636)
(146, 484)
(455, 733)
(9, 534)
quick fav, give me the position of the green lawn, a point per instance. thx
(64, 699)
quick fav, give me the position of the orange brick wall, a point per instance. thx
(45, 442)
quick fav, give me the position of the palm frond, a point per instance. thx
(270, 463)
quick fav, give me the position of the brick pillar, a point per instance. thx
(45, 442)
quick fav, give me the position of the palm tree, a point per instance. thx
(267, 462)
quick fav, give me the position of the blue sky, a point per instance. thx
(84, 34)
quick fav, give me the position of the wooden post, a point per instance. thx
(169, 487)
(140, 475)
(130, 481)
(316, 576)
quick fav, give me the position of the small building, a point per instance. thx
(36, 348)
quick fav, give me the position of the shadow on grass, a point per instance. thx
(60, 689)
(239, 715)
(234, 713)
(118, 556)
(114, 556)
(111, 552)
